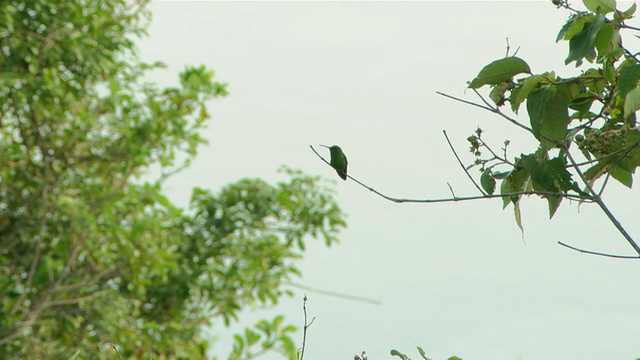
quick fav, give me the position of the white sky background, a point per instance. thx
(455, 279)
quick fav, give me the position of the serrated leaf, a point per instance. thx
(632, 102)
(488, 182)
(500, 71)
(583, 44)
(600, 6)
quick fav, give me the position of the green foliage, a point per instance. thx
(91, 254)
(269, 336)
(593, 112)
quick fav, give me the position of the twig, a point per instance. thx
(598, 200)
(462, 165)
(599, 253)
(306, 326)
(451, 189)
(332, 293)
(458, 199)
(505, 116)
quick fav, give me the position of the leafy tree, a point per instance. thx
(593, 113)
(91, 254)
(585, 126)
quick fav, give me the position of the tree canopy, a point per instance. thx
(92, 252)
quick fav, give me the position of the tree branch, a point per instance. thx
(458, 199)
(462, 165)
(598, 200)
(599, 253)
(306, 326)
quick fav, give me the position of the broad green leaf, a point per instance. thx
(513, 183)
(632, 102)
(607, 39)
(600, 6)
(488, 182)
(575, 23)
(628, 79)
(625, 177)
(597, 170)
(554, 203)
(583, 44)
(527, 87)
(500, 71)
(550, 175)
(548, 115)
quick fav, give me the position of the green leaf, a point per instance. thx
(554, 203)
(632, 102)
(527, 87)
(628, 79)
(488, 182)
(548, 115)
(402, 356)
(518, 216)
(422, 353)
(625, 177)
(583, 44)
(573, 26)
(497, 93)
(628, 14)
(500, 71)
(600, 6)
(607, 39)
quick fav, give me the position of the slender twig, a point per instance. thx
(599, 253)
(462, 164)
(604, 184)
(304, 329)
(487, 107)
(453, 194)
(332, 293)
(116, 349)
(458, 199)
(598, 200)
(505, 116)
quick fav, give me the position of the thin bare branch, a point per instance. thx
(503, 115)
(332, 293)
(458, 199)
(305, 328)
(599, 253)
(462, 164)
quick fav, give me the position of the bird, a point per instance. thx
(338, 160)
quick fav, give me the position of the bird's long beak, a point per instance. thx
(325, 146)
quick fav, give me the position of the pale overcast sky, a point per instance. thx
(455, 279)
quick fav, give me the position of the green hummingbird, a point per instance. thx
(338, 160)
